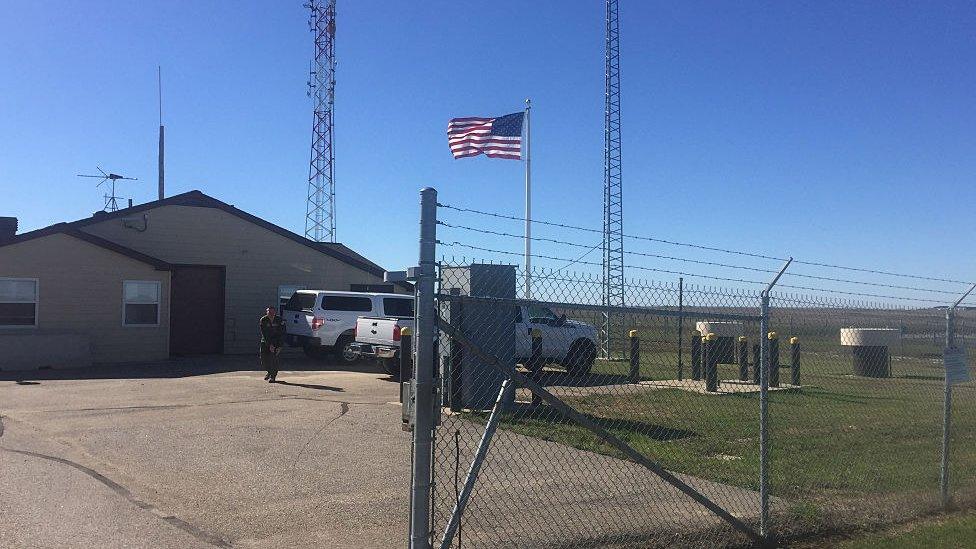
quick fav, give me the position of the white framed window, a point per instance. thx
(140, 303)
(18, 302)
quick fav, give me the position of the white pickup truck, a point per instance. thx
(379, 337)
(568, 342)
(323, 322)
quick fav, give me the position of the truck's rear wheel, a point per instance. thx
(580, 359)
(344, 351)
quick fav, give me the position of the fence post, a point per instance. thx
(681, 325)
(423, 382)
(794, 361)
(950, 342)
(947, 414)
(763, 369)
(764, 530)
(743, 358)
(711, 362)
(634, 357)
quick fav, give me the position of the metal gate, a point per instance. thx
(524, 436)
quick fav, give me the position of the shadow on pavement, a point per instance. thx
(186, 366)
(309, 386)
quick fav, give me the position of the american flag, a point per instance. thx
(499, 137)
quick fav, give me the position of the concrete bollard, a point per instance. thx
(743, 356)
(634, 357)
(773, 359)
(535, 364)
(795, 360)
(406, 357)
(756, 363)
(711, 363)
(696, 356)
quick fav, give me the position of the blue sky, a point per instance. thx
(827, 130)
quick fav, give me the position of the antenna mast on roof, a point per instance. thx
(111, 200)
(320, 206)
(159, 81)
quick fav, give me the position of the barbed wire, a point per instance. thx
(694, 275)
(703, 262)
(706, 248)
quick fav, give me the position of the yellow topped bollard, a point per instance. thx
(711, 358)
(633, 333)
(536, 333)
(795, 361)
(742, 357)
(406, 331)
(773, 359)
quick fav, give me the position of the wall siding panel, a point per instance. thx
(257, 261)
(80, 292)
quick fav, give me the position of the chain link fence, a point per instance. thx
(713, 421)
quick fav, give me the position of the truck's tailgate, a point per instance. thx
(379, 331)
(298, 323)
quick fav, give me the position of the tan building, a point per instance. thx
(217, 268)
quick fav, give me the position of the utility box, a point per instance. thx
(469, 381)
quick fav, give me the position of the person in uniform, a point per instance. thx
(272, 332)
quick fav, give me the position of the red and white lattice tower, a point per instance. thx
(320, 208)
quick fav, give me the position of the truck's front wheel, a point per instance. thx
(580, 359)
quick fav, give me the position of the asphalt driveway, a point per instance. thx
(157, 456)
(204, 453)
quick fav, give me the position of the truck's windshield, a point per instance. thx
(541, 315)
(300, 302)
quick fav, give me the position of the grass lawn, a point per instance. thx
(948, 532)
(839, 440)
(845, 451)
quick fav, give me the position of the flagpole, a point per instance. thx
(528, 202)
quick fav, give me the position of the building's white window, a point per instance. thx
(285, 292)
(18, 302)
(140, 303)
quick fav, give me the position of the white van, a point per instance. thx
(323, 322)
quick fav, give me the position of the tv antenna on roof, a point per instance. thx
(111, 200)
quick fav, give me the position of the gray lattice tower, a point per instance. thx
(320, 209)
(613, 219)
